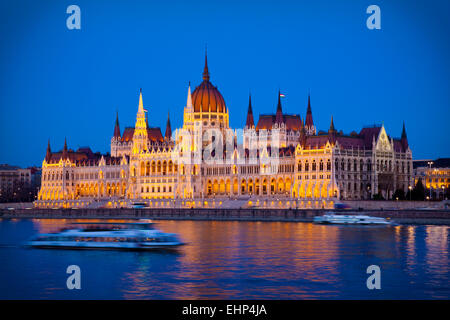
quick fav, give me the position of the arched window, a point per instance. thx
(306, 166)
(321, 165)
(164, 167)
(142, 168)
(147, 168)
(158, 167)
(314, 167)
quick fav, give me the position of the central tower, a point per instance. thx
(208, 104)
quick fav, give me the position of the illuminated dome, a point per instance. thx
(206, 97)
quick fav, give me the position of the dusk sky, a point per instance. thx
(56, 82)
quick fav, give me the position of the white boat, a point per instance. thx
(332, 218)
(98, 235)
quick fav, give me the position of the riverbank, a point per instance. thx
(413, 216)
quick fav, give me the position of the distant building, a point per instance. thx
(18, 184)
(297, 164)
(434, 174)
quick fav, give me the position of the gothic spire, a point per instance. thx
(404, 131)
(65, 151)
(404, 138)
(189, 97)
(168, 134)
(309, 119)
(117, 127)
(250, 122)
(331, 125)
(48, 155)
(205, 70)
(279, 114)
(332, 132)
(141, 103)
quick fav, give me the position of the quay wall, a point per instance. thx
(355, 204)
(412, 216)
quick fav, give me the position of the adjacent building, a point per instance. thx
(434, 174)
(18, 184)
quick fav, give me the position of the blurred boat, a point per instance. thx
(98, 235)
(332, 218)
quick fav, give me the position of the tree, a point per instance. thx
(398, 194)
(378, 196)
(418, 193)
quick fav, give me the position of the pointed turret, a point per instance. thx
(189, 97)
(205, 70)
(117, 127)
(140, 135)
(309, 123)
(279, 114)
(188, 115)
(141, 103)
(48, 155)
(404, 138)
(250, 122)
(168, 134)
(332, 131)
(65, 153)
(309, 120)
(403, 131)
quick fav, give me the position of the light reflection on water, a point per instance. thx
(234, 260)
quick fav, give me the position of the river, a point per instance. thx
(235, 260)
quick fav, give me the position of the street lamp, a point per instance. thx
(410, 191)
(430, 163)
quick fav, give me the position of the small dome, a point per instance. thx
(207, 96)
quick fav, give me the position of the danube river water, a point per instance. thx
(235, 260)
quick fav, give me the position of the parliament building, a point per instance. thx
(281, 160)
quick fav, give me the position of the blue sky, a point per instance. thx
(57, 83)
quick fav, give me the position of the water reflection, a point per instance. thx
(255, 260)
